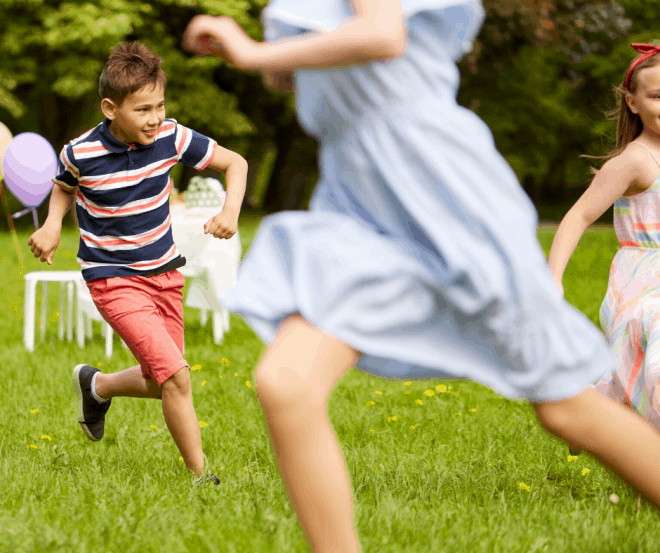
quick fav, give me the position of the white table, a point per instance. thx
(211, 263)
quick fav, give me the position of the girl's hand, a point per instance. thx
(223, 225)
(220, 36)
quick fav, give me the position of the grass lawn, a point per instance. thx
(465, 470)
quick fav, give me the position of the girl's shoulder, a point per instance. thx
(637, 165)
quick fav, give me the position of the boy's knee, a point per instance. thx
(178, 383)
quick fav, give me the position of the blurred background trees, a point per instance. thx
(540, 74)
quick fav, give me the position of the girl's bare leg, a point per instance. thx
(294, 380)
(612, 433)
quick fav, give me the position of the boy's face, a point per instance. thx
(139, 117)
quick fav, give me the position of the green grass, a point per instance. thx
(450, 484)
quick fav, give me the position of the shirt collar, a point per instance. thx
(113, 144)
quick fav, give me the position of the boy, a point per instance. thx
(118, 173)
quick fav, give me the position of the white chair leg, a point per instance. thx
(69, 312)
(108, 339)
(225, 320)
(80, 325)
(44, 306)
(29, 313)
(203, 316)
(217, 328)
(89, 331)
(60, 321)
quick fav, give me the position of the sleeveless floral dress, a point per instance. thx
(630, 312)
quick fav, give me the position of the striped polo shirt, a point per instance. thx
(122, 200)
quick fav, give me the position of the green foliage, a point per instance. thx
(60, 47)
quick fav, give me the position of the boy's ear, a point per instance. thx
(108, 108)
(630, 100)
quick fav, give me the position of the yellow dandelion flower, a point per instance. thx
(412, 427)
(490, 464)
(458, 414)
(203, 383)
(394, 418)
(34, 411)
(370, 403)
(378, 392)
(225, 362)
(429, 393)
(419, 402)
(153, 427)
(407, 383)
(389, 419)
(202, 424)
(524, 486)
(221, 376)
(571, 458)
(371, 430)
(235, 374)
(441, 388)
(472, 409)
(585, 471)
(196, 368)
(99, 364)
(46, 437)
(248, 384)
(33, 446)
(449, 389)
(180, 458)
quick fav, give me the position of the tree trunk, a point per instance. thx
(259, 147)
(275, 193)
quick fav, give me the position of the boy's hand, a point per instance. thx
(220, 36)
(44, 242)
(223, 225)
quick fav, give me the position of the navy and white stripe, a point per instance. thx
(123, 196)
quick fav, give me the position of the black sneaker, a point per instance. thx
(91, 413)
(210, 477)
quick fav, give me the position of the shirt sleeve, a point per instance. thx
(67, 173)
(193, 149)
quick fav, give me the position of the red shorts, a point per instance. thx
(147, 312)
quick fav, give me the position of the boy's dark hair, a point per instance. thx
(130, 67)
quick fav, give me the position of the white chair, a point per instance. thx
(86, 311)
(67, 279)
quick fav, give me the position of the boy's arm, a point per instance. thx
(44, 241)
(235, 168)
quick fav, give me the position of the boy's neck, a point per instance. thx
(113, 132)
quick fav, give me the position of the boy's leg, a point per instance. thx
(615, 435)
(294, 380)
(181, 419)
(128, 383)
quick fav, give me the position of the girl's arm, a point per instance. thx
(629, 169)
(376, 32)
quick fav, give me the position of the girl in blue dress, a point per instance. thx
(418, 257)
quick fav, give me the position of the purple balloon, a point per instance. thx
(29, 165)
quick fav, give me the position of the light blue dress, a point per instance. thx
(419, 248)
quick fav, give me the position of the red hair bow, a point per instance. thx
(647, 51)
